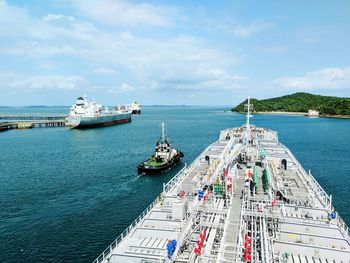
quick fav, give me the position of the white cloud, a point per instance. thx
(123, 88)
(251, 29)
(47, 65)
(104, 71)
(174, 62)
(162, 63)
(220, 73)
(272, 49)
(55, 17)
(11, 15)
(46, 82)
(323, 79)
(204, 80)
(124, 13)
(36, 50)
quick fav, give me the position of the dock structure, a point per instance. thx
(246, 198)
(27, 121)
(5, 126)
(36, 117)
(48, 124)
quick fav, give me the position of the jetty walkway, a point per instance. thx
(32, 117)
(9, 122)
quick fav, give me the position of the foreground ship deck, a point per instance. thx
(257, 204)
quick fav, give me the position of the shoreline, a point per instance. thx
(300, 114)
(281, 113)
(335, 116)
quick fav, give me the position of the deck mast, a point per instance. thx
(163, 132)
(247, 130)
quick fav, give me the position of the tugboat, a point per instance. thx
(164, 157)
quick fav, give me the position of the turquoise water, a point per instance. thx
(66, 194)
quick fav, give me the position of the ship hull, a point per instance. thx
(156, 170)
(137, 112)
(100, 121)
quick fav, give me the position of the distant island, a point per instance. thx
(327, 106)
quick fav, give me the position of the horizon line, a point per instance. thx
(148, 105)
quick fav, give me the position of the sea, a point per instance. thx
(66, 194)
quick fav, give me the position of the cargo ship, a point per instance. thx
(245, 198)
(164, 158)
(84, 114)
(135, 108)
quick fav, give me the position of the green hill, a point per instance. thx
(300, 102)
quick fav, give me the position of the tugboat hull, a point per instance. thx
(155, 170)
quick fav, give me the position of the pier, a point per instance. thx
(5, 126)
(29, 121)
(33, 117)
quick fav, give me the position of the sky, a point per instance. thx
(171, 52)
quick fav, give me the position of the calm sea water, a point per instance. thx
(66, 194)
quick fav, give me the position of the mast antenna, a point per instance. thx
(247, 131)
(248, 112)
(163, 132)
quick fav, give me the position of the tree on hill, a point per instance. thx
(300, 102)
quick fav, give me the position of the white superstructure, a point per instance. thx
(135, 106)
(163, 150)
(84, 108)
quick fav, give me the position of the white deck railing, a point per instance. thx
(170, 185)
(327, 199)
(107, 252)
(166, 188)
(224, 158)
(197, 160)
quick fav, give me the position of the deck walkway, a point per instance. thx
(232, 231)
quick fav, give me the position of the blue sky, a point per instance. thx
(171, 52)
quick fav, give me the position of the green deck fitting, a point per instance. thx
(218, 189)
(154, 163)
(266, 180)
(267, 175)
(256, 177)
(262, 153)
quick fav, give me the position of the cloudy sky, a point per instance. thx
(171, 52)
